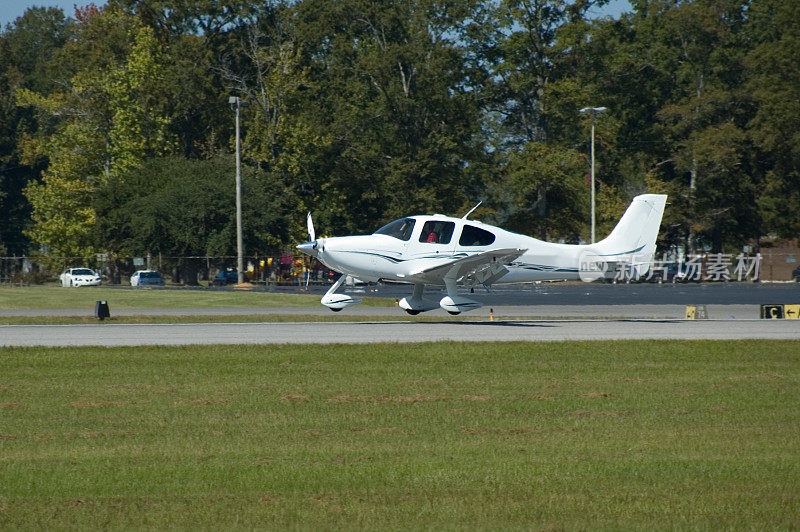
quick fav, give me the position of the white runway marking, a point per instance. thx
(399, 331)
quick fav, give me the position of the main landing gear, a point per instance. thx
(452, 303)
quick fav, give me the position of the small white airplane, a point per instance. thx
(442, 250)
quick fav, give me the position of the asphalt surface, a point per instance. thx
(740, 300)
(522, 312)
(582, 294)
(501, 311)
(400, 332)
(576, 293)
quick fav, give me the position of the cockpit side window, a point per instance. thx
(475, 236)
(437, 232)
(400, 229)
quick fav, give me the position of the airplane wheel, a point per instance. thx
(453, 313)
(336, 310)
(413, 312)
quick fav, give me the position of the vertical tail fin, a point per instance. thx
(634, 237)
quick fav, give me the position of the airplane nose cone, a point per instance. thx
(309, 248)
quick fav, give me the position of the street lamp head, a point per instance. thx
(236, 102)
(593, 110)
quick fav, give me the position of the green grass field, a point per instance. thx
(600, 435)
(85, 297)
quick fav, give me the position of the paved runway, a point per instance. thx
(500, 311)
(400, 331)
(528, 312)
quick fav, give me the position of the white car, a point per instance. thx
(79, 277)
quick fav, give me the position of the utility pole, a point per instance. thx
(236, 104)
(593, 111)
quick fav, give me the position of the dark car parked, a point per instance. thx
(225, 277)
(664, 273)
(146, 278)
(796, 274)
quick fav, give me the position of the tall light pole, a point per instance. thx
(593, 111)
(236, 103)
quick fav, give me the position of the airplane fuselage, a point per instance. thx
(384, 257)
(442, 250)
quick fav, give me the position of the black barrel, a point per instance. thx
(101, 311)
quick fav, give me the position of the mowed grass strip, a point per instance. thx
(56, 297)
(650, 434)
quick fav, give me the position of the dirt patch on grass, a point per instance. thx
(542, 396)
(637, 380)
(203, 401)
(295, 399)
(90, 403)
(498, 430)
(131, 386)
(758, 377)
(594, 413)
(595, 395)
(271, 499)
(386, 430)
(399, 399)
(7, 437)
(10, 405)
(478, 398)
(327, 502)
(77, 503)
(383, 430)
(263, 460)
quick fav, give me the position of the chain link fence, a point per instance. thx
(287, 269)
(282, 269)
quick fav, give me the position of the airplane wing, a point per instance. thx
(486, 267)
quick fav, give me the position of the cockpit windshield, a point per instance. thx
(400, 229)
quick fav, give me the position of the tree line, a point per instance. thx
(116, 135)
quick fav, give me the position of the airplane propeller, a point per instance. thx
(310, 224)
(312, 238)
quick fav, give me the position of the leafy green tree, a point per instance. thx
(390, 89)
(195, 38)
(701, 119)
(26, 47)
(538, 44)
(184, 208)
(104, 123)
(672, 75)
(774, 83)
(547, 189)
(138, 129)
